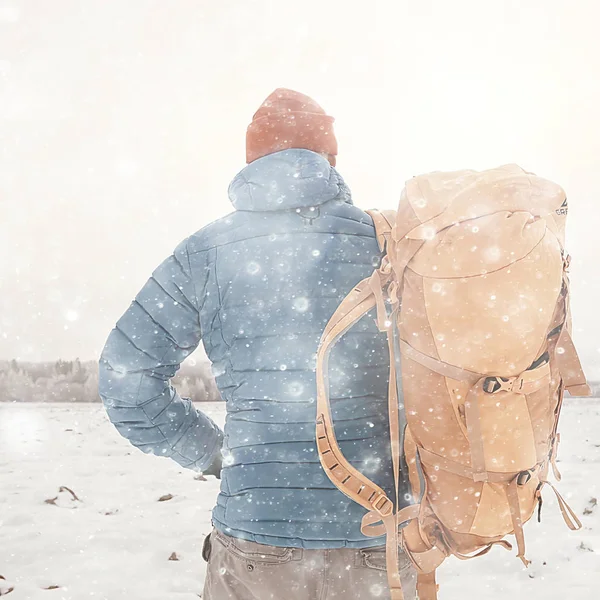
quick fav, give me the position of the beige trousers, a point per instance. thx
(242, 570)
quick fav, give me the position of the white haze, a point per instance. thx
(122, 123)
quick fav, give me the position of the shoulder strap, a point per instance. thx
(348, 479)
(343, 475)
(384, 222)
(365, 296)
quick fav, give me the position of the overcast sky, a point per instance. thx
(122, 123)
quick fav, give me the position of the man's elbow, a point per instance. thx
(122, 407)
(133, 423)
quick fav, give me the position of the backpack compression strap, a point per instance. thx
(566, 355)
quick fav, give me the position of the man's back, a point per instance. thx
(273, 273)
(257, 288)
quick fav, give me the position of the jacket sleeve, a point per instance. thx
(144, 350)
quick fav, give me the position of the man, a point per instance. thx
(257, 288)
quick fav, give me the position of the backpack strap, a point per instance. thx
(369, 294)
(384, 222)
(353, 483)
(569, 366)
(410, 454)
(365, 296)
(512, 497)
(427, 586)
(566, 355)
(569, 516)
(344, 476)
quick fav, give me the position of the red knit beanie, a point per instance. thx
(289, 119)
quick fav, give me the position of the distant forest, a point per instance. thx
(76, 381)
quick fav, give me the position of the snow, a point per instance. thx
(105, 535)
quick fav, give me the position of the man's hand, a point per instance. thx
(215, 467)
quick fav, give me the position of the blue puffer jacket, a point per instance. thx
(257, 288)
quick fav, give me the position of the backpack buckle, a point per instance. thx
(382, 505)
(493, 385)
(386, 266)
(524, 477)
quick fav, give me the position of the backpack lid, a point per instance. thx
(440, 199)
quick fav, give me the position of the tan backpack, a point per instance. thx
(473, 293)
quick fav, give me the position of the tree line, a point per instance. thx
(77, 381)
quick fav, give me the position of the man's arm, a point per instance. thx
(145, 349)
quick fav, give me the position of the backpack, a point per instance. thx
(473, 293)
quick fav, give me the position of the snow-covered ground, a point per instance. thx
(114, 543)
